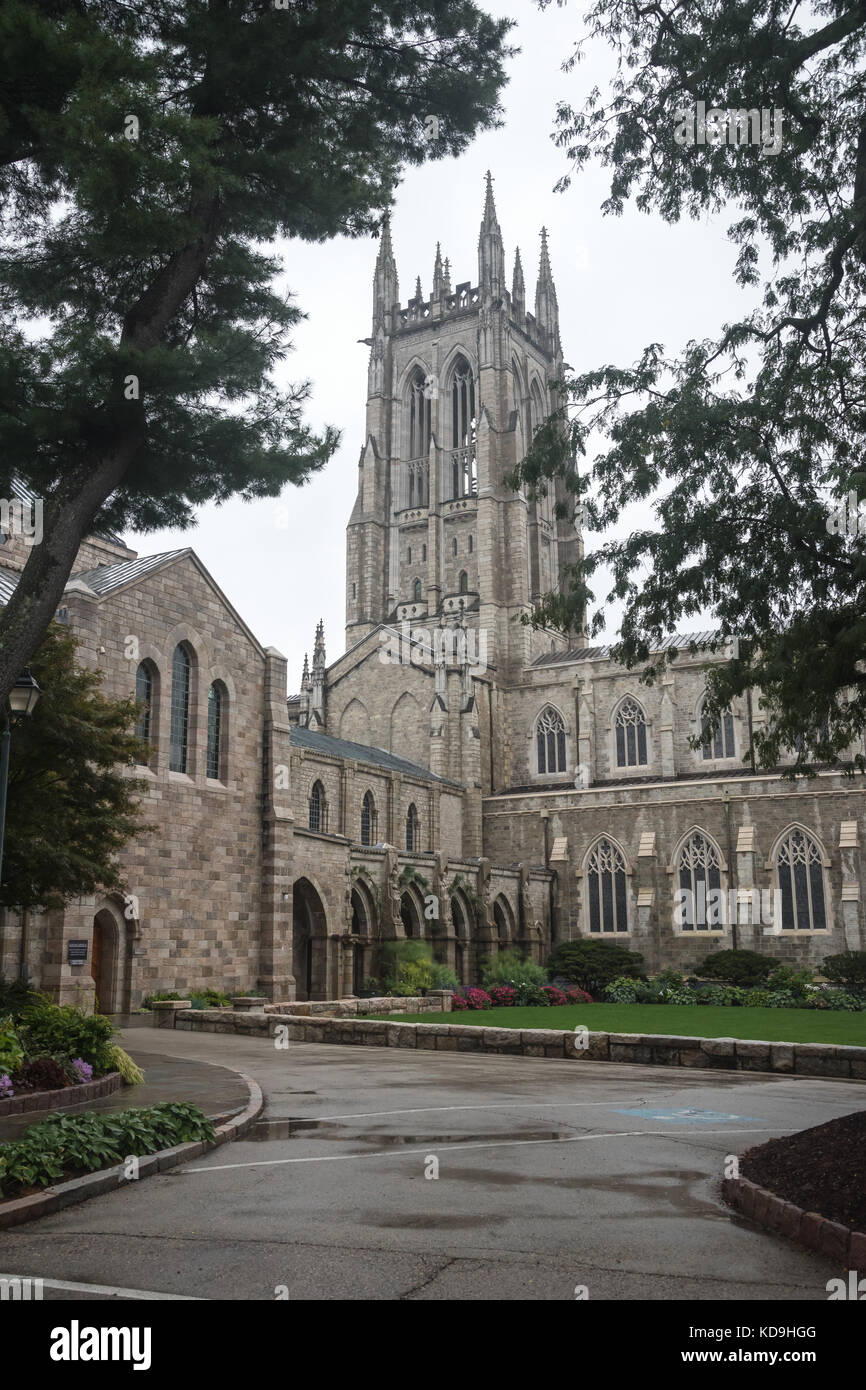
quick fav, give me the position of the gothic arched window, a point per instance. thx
(800, 880)
(721, 743)
(606, 888)
(550, 740)
(409, 556)
(630, 726)
(181, 669)
(464, 478)
(416, 591)
(418, 406)
(699, 863)
(368, 819)
(463, 582)
(419, 415)
(144, 697)
(216, 711)
(317, 807)
(413, 830)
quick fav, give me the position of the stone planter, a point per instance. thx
(164, 1011)
(246, 1002)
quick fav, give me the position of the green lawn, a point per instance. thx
(684, 1020)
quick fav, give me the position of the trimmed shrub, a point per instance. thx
(847, 969)
(747, 968)
(53, 1030)
(593, 964)
(471, 999)
(554, 995)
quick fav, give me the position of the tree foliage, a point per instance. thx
(70, 806)
(150, 151)
(748, 439)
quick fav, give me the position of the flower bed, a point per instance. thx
(509, 997)
(47, 1050)
(63, 1098)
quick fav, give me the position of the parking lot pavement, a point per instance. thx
(386, 1174)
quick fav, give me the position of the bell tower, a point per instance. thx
(457, 385)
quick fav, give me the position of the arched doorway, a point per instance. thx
(103, 961)
(309, 942)
(503, 922)
(410, 915)
(361, 931)
(460, 927)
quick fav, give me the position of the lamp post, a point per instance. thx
(21, 703)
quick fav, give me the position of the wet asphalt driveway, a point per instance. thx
(552, 1177)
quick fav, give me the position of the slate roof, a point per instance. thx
(25, 494)
(106, 578)
(103, 580)
(362, 752)
(8, 581)
(681, 640)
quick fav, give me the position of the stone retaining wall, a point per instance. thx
(434, 1002)
(723, 1054)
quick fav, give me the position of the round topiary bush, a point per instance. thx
(593, 964)
(748, 968)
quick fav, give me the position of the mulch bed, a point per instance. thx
(821, 1169)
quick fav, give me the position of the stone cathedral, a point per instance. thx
(455, 775)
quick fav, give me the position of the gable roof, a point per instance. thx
(363, 753)
(26, 494)
(680, 640)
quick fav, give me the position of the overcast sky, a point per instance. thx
(621, 283)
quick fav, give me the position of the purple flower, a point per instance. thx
(83, 1070)
(6, 1090)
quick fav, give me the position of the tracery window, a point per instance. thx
(606, 888)
(800, 880)
(699, 873)
(721, 743)
(630, 726)
(550, 741)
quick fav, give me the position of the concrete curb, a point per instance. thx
(808, 1228)
(831, 1060)
(68, 1194)
(62, 1099)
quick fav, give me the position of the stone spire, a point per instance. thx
(419, 293)
(546, 307)
(518, 288)
(306, 692)
(491, 256)
(386, 291)
(437, 274)
(446, 277)
(317, 683)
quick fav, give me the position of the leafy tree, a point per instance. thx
(149, 152)
(748, 439)
(70, 807)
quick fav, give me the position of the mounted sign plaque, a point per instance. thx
(76, 952)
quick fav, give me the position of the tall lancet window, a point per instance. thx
(419, 439)
(464, 477)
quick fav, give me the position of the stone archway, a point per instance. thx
(411, 916)
(503, 922)
(461, 918)
(309, 942)
(361, 932)
(105, 962)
